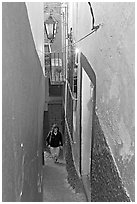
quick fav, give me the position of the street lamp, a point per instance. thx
(51, 27)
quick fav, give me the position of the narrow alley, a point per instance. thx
(56, 187)
(68, 102)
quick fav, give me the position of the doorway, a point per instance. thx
(55, 115)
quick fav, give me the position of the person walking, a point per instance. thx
(54, 142)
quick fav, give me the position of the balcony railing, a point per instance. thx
(54, 67)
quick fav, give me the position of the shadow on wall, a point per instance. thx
(73, 178)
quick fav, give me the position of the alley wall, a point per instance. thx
(23, 91)
(36, 18)
(110, 51)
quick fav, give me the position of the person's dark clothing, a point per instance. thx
(54, 140)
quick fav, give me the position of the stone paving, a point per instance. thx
(55, 185)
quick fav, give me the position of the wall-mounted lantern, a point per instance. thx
(51, 27)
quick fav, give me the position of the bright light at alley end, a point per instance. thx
(51, 28)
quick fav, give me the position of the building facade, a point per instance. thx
(110, 54)
(23, 86)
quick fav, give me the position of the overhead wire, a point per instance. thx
(92, 31)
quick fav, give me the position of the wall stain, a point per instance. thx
(125, 152)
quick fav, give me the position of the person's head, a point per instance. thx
(55, 128)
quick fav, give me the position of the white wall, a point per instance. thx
(111, 53)
(36, 19)
(87, 106)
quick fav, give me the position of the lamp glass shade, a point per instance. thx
(51, 28)
(50, 31)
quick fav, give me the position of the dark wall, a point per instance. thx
(55, 90)
(22, 105)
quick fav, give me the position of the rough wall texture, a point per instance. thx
(73, 178)
(110, 51)
(106, 184)
(23, 96)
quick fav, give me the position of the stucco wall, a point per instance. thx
(110, 52)
(23, 102)
(36, 19)
(86, 134)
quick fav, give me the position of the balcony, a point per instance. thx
(54, 67)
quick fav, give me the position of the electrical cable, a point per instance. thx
(92, 31)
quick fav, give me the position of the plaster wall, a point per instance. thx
(87, 106)
(110, 51)
(36, 18)
(23, 93)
